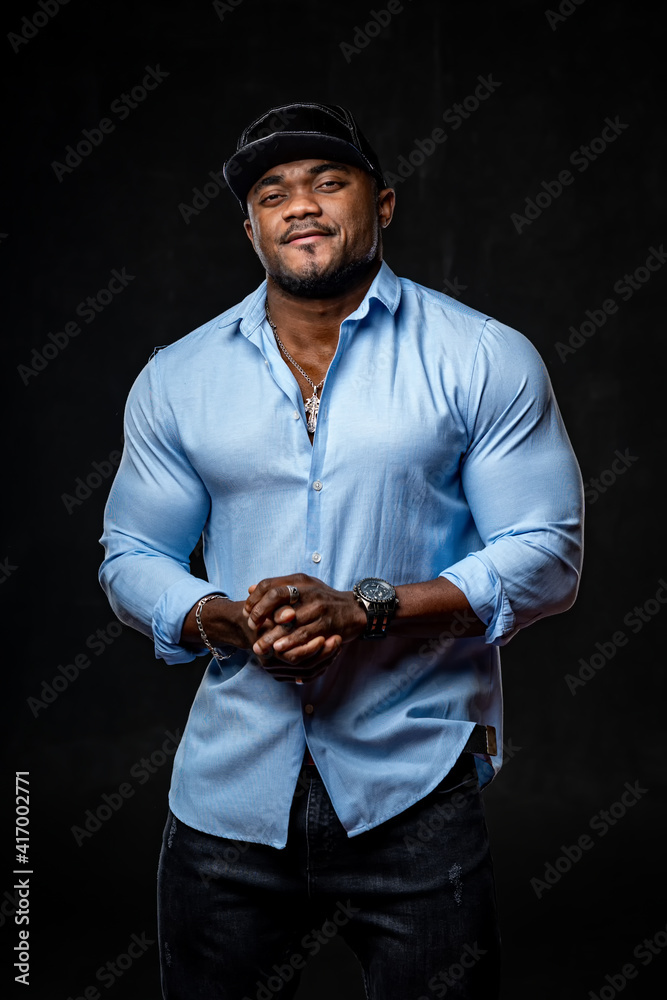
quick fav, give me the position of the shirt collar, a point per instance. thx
(386, 288)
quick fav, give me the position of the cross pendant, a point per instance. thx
(312, 405)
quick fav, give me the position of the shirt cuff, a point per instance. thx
(476, 576)
(169, 614)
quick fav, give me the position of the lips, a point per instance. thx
(302, 234)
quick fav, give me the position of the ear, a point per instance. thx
(386, 203)
(247, 225)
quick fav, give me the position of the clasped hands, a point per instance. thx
(297, 641)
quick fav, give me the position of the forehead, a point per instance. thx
(299, 170)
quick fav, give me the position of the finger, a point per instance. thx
(327, 652)
(300, 648)
(251, 589)
(333, 645)
(298, 645)
(300, 637)
(264, 644)
(268, 603)
(284, 615)
(255, 591)
(306, 672)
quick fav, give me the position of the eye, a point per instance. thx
(270, 198)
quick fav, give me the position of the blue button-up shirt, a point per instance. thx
(439, 451)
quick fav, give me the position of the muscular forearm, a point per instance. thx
(223, 622)
(427, 609)
(226, 623)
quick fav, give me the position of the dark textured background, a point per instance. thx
(453, 231)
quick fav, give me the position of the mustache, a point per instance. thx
(325, 230)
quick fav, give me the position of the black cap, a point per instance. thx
(298, 132)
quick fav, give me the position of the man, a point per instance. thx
(387, 494)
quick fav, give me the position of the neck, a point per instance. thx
(305, 322)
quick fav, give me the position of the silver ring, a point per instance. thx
(294, 596)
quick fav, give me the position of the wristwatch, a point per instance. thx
(380, 601)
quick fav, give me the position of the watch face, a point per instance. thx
(377, 590)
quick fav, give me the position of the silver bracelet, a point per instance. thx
(216, 652)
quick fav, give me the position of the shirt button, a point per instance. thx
(317, 485)
(317, 557)
(308, 709)
(296, 414)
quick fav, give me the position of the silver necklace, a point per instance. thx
(312, 405)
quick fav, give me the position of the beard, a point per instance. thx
(315, 283)
(318, 285)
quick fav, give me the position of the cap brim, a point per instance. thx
(244, 168)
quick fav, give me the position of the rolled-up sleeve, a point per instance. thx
(523, 486)
(154, 516)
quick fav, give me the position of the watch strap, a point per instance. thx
(377, 621)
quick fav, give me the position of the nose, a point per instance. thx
(299, 205)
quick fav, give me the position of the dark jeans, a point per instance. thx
(414, 898)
